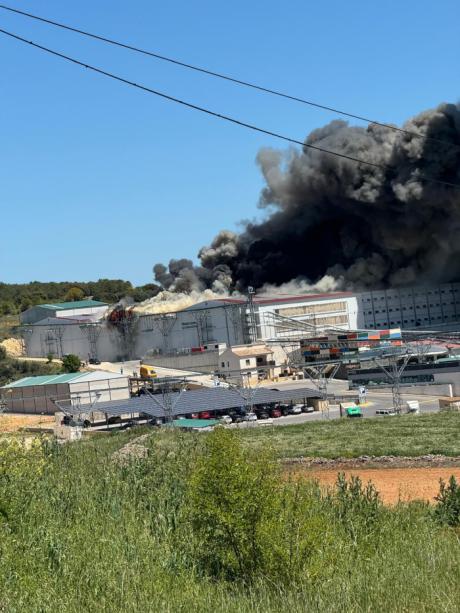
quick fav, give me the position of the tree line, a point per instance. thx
(17, 297)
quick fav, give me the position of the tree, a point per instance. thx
(7, 308)
(71, 363)
(74, 294)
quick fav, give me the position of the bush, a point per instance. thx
(231, 495)
(447, 510)
(71, 363)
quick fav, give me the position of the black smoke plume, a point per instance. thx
(364, 226)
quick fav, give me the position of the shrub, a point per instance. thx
(356, 506)
(71, 363)
(231, 495)
(447, 511)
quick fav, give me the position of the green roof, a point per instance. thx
(194, 423)
(77, 304)
(46, 380)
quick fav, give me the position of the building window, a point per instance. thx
(223, 364)
(248, 362)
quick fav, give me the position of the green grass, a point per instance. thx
(81, 532)
(407, 435)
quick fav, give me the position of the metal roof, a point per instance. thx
(95, 375)
(45, 380)
(77, 304)
(195, 401)
(265, 300)
(193, 423)
(250, 350)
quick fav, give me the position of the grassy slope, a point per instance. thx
(410, 435)
(88, 535)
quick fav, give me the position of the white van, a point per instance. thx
(413, 406)
(389, 411)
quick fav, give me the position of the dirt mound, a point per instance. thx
(13, 347)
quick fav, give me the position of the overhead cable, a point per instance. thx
(225, 77)
(227, 118)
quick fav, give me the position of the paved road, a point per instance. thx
(374, 401)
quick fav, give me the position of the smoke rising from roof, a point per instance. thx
(335, 224)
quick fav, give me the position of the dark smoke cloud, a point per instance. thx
(368, 227)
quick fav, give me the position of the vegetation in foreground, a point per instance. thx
(205, 524)
(405, 435)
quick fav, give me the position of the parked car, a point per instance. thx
(237, 415)
(250, 417)
(307, 409)
(284, 408)
(94, 361)
(205, 415)
(68, 420)
(261, 413)
(386, 412)
(114, 419)
(354, 412)
(295, 409)
(226, 419)
(156, 421)
(275, 412)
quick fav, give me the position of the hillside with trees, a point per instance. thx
(17, 297)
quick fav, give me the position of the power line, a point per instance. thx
(225, 77)
(227, 118)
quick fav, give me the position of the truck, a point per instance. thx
(147, 372)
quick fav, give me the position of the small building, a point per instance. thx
(79, 309)
(37, 394)
(248, 363)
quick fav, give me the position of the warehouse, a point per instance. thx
(415, 307)
(37, 394)
(89, 330)
(80, 309)
(229, 321)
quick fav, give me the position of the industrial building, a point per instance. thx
(80, 309)
(416, 307)
(229, 321)
(92, 331)
(37, 394)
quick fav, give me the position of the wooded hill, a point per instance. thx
(17, 297)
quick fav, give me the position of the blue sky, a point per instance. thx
(100, 180)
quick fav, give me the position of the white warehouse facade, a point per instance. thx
(231, 321)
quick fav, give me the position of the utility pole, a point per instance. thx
(320, 379)
(394, 373)
(252, 324)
